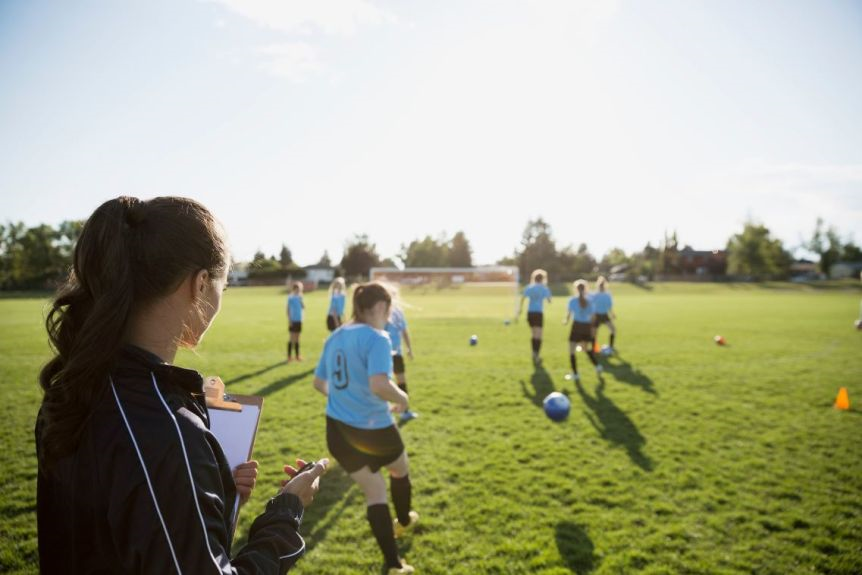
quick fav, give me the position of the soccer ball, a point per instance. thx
(557, 406)
(858, 323)
(474, 339)
(719, 340)
(507, 321)
(607, 350)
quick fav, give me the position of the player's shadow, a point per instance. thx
(284, 382)
(624, 372)
(614, 425)
(329, 505)
(251, 374)
(576, 548)
(542, 385)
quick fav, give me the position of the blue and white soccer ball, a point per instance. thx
(474, 339)
(607, 350)
(557, 406)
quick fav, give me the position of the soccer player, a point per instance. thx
(603, 303)
(396, 327)
(335, 316)
(353, 373)
(295, 306)
(537, 292)
(581, 309)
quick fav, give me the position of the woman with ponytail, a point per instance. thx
(353, 374)
(581, 309)
(537, 292)
(130, 479)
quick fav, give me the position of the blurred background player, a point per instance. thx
(353, 374)
(335, 317)
(603, 303)
(583, 330)
(295, 305)
(396, 327)
(537, 292)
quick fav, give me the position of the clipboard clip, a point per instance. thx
(216, 398)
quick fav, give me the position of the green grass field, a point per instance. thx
(689, 458)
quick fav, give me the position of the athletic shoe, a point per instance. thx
(573, 377)
(403, 570)
(400, 530)
(408, 415)
(599, 369)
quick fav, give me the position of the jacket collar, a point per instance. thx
(134, 358)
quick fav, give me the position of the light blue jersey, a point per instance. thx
(351, 355)
(336, 304)
(537, 294)
(603, 302)
(581, 314)
(294, 307)
(396, 324)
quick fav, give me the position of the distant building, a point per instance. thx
(317, 274)
(840, 270)
(702, 263)
(804, 270)
(237, 276)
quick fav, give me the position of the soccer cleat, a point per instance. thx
(599, 369)
(573, 377)
(400, 530)
(408, 415)
(403, 570)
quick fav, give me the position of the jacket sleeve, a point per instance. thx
(173, 516)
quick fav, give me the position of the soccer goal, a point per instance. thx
(483, 280)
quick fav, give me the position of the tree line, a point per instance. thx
(40, 257)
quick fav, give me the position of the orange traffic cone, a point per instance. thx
(842, 402)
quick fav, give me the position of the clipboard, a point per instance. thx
(234, 420)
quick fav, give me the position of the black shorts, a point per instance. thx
(332, 322)
(398, 363)
(602, 318)
(354, 448)
(295, 327)
(581, 332)
(535, 318)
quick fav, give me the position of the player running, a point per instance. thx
(537, 292)
(604, 303)
(582, 310)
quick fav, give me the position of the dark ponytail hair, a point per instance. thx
(130, 253)
(581, 288)
(366, 296)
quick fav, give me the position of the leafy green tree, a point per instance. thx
(460, 253)
(425, 253)
(756, 254)
(826, 243)
(614, 257)
(360, 255)
(325, 260)
(538, 249)
(285, 258)
(261, 263)
(851, 252)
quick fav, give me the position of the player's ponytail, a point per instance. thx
(581, 288)
(130, 253)
(366, 296)
(538, 276)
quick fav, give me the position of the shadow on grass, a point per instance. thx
(542, 386)
(329, 504)
(643, 286)
(623, 372)
(251, 374)
(576, 548)
(614, 425)
(282, 383)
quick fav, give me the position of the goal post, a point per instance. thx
(505, 279)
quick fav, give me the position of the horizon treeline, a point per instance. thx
(40, 257)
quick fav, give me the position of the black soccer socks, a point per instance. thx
(613, 335)
(401, 491)
(380, 520)
(289, 349)
(574, 361)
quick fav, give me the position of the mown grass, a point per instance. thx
(687, 458)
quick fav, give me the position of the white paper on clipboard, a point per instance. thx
(235, 431)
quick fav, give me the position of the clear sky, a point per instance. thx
(306, 121)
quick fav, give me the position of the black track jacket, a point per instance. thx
(149, 489)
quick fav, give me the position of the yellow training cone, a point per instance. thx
(842, 402)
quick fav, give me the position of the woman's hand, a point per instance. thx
(410, 353)
(245, 477)
(304, 484)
